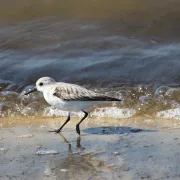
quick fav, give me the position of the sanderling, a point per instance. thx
(68, 97)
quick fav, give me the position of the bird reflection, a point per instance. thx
(78, 143)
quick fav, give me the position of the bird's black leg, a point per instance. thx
(58, 130)
(77, 126)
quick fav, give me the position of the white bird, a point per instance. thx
(68, 97)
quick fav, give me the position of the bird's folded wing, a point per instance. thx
(78, 93)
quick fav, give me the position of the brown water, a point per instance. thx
(90, 42)
(127, 49)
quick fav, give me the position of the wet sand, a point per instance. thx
(107, 149)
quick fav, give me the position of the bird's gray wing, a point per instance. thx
(70, 92)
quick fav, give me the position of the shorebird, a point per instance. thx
(68, 97)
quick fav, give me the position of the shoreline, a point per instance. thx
(107, 149)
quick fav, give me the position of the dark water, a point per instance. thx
(119, 45)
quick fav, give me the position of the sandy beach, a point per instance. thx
(107, 149)
(125, 49)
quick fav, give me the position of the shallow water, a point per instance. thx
(125, 49)
(133, 149)
(137, 100)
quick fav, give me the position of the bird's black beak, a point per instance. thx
(30, 91)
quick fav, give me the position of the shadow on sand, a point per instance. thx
(115, 130)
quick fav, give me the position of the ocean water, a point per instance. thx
(123, 48)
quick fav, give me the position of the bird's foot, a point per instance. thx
(55, 130)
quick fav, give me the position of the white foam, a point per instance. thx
(3, 149)
(169, 114)
(50, 112)
(63, 170)
(116, 153)
(46, 152)
(25, 136)
(113, 112)
(149, 121)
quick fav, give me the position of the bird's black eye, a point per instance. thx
(40, 84)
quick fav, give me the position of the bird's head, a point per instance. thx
(40, 84)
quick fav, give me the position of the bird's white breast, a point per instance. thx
(51, 99)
